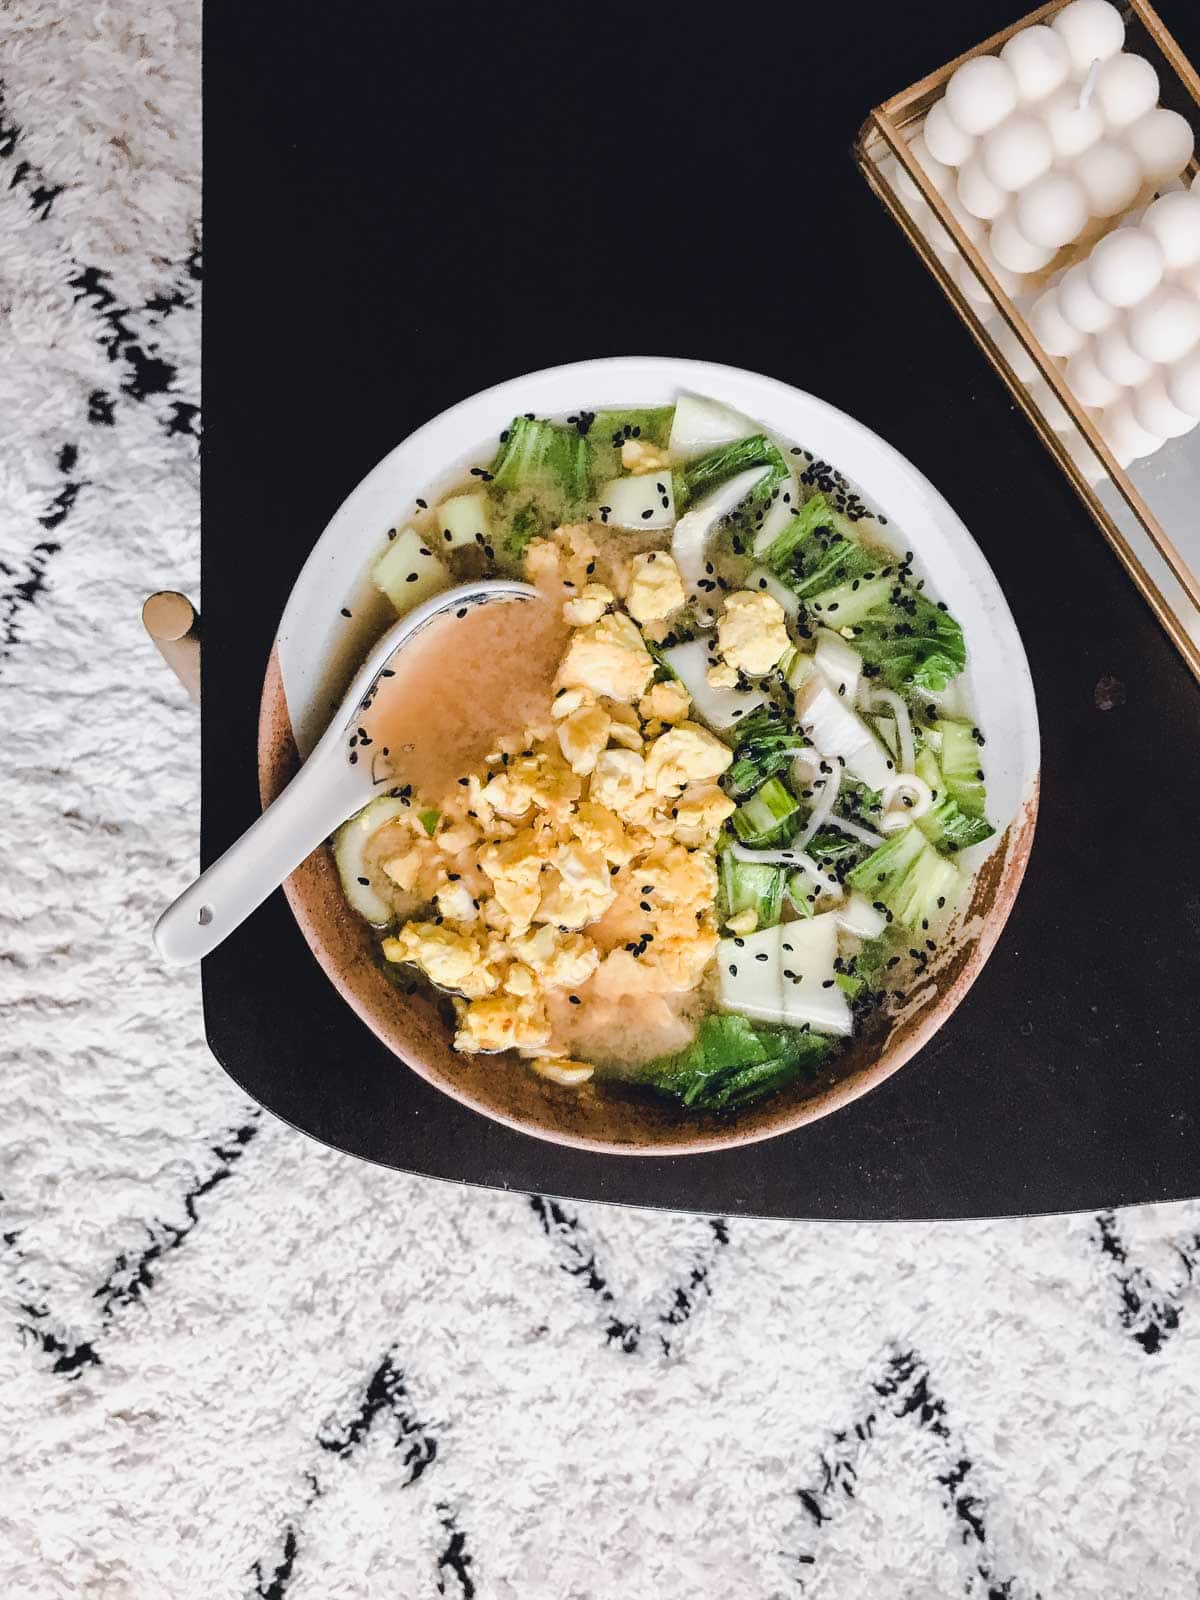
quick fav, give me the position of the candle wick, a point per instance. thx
(1089, 83)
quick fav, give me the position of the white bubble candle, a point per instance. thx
(1041, 153)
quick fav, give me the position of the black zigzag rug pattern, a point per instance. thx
(129, 344)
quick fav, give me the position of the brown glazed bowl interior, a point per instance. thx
(603, 1116)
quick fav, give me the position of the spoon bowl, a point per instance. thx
(330, 787)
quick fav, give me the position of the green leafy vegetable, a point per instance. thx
(767, 741)
(750, 886)
(916, 648)
(535, 452)
(607, 431)
(958, 757)
(429, 821)
(664, 672)
(858, 803)
(715, 466)
(733, 1061)
(813, 514)
(829, 848)
(802, 892)
(907, 875)
(827, 561)
(946, 824)
(767, 816)
(541, 476)
(852, 600)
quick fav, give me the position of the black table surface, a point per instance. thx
(406, 204)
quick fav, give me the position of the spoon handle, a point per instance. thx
(319, 799)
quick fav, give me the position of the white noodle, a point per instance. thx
(898, 812)
(790, 856)
(904, 732)
(823, 805)
(783, 856)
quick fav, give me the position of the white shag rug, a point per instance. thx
(233, 1364)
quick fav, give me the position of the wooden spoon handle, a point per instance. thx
(173, 623)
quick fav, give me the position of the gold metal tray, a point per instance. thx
(1148, 512)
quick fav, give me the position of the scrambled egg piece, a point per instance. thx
(665, 702)
(699, 813)
(583, 735)
(618, 777)
(568, 700)
(682, 754)
(558, 960)
(569, 556)
(608, 657)
(597, 828)
(626, 729)
(459, 836)
(451, 959)
(539, 780)
(455, 901)
(752, 632)
(581, 892)
(589, 605)
(722, 676)
(639, 457)
(683, 878)
(503, 1022)
(405, 868)
(682, 960)
(515, 868)
(655, 587)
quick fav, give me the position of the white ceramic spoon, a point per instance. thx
(331, 786)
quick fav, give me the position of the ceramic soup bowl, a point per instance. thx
(317, 648)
